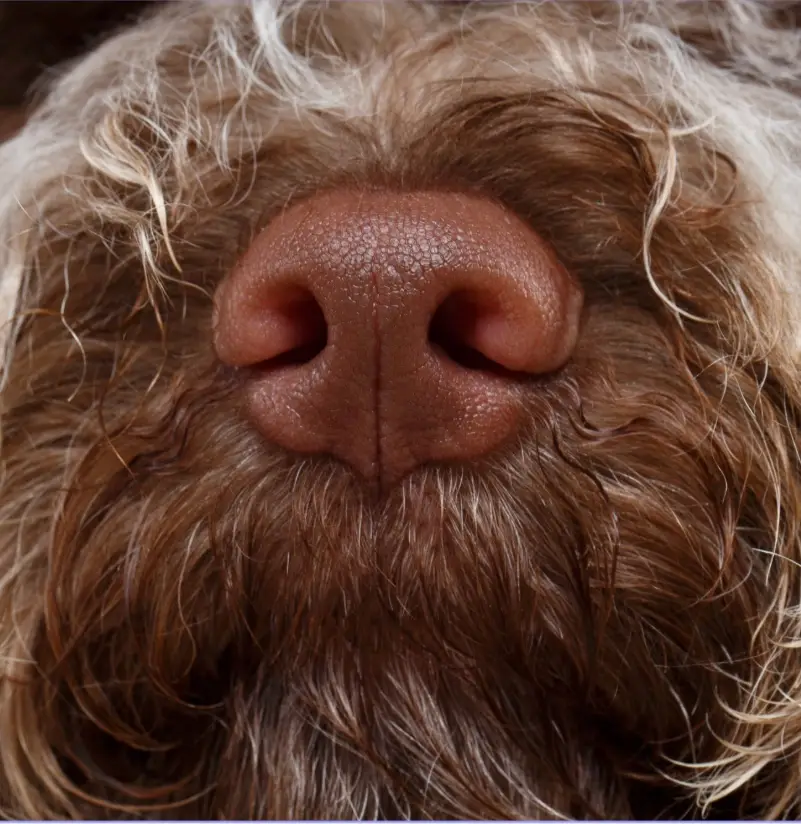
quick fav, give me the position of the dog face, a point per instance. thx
(381, 561)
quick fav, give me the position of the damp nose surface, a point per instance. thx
(393, 329)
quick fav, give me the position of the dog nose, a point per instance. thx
(394, 329)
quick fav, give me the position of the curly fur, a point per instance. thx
(601, 620)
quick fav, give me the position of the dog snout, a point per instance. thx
(394, 329)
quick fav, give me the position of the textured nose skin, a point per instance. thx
(393, 329)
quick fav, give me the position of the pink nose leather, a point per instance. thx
(392, 329)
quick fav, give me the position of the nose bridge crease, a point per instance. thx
(374, 282)
(397, 255)
(404, 252)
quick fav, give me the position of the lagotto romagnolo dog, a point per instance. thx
(400, 416)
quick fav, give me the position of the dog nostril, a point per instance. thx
(470, 329)
(287, 327)
(506, 331)
(301, 331)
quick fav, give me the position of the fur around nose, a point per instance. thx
(394, 329)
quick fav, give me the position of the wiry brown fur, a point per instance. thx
(600, 620)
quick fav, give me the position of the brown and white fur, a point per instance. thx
(603, 619)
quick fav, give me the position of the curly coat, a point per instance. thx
(602, 619)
